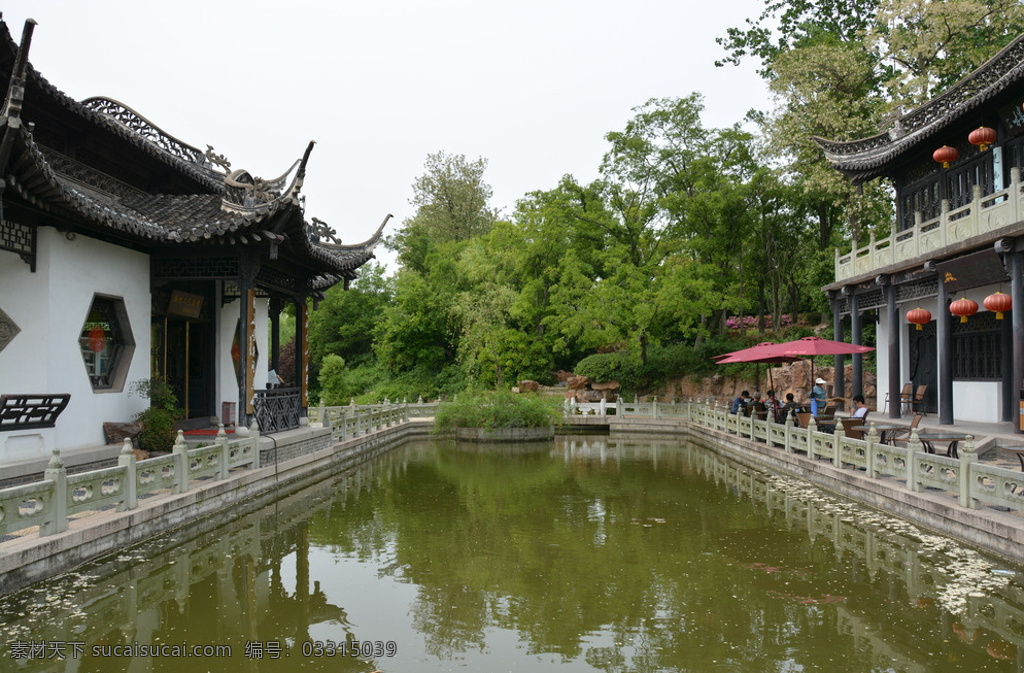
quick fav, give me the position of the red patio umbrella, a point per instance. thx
(813, 346)
(757, 354)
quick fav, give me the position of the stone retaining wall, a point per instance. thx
(32, 558)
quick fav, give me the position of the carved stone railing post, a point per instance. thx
(837, 444)
(180, 452)
(254, 437)
(126, 459)
(968, 456)
(914, 447)
(224, 455)
(56, 473)
(812, 427)
(789, 433)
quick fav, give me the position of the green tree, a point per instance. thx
(929, 46)
(451, 200)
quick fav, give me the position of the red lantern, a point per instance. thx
(963, 308)
(919, 316)
(998, 302)
(97, 339)
(946, 155)
(983, 136)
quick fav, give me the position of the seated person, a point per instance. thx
(740, 402)
(860, 410)
(790, 408)
(772, 404)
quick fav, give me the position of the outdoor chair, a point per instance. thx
(849, 424)
(916, 399)
(905, 396)
(904, 435)
(803, 418)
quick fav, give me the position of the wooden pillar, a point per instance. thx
(1017, 320)
(857, 375)
(893, 333)
(275, 334)
(944, 345)
(839, 378)
(302, 351)
(246, 338)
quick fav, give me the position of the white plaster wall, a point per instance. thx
(977, 401)
(227, 382)
(882, 359)
(50, 306)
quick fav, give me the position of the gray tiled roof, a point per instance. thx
(868, 157)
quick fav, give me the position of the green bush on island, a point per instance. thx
(497, 409)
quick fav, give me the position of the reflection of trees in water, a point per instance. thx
(570, 554)
(628, 555)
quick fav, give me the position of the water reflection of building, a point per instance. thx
(247, 581)
(941, 580)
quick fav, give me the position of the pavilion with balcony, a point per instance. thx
(955, 251)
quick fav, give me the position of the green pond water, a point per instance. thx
(582, 554)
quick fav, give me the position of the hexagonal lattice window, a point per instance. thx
(107, 343)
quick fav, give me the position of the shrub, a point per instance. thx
(158, 431)
(500, 409)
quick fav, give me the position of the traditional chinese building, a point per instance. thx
(127, 254)
(955, 249)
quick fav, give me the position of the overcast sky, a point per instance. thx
(532, 86)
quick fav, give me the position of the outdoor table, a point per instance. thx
(886, 431)
(1017, 452)
(954, 439)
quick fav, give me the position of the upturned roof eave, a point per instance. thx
(869, 157)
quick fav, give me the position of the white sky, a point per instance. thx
(532, 86)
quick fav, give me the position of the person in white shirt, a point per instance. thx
(860, 410)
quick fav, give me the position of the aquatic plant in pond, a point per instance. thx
(497, 409)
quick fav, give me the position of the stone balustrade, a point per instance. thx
(982, 216)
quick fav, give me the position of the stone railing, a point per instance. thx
(353, 420)
(977, 218)
(973, 483)
(50, 502)
(653, 409)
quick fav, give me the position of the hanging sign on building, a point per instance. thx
(185, 304)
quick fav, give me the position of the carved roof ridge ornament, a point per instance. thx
(141, 126)
(246, 193)
(368, 245)
(992, 77)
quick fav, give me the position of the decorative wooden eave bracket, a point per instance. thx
(17, 238)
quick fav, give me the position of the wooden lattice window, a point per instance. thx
(977, 349)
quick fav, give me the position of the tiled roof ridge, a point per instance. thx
(985, 82)
(205, 176)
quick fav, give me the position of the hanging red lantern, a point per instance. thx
(919, 316)
(998, 302)
(946, 155)
(963, 308)
(97, 339)
(983, 136)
